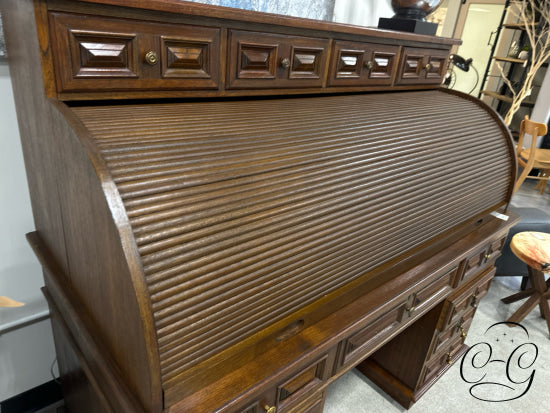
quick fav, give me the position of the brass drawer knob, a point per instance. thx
(369, 65)
(428, 66)
(410, 310)
(462, 332)
(487, 256)
(151, 58)
(449, 359)
(474, 302)
(285, 62)
(271, 409)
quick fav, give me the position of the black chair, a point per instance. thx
(508, 265)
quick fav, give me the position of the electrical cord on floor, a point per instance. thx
(56, 379)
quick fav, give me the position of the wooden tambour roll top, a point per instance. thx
(208, 224)
(244, 213)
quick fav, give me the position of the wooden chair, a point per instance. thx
(542, 183)
(532, 157)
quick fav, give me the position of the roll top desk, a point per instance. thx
(233, 209)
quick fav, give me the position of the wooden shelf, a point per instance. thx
(507, 99)
(516, 26)
(509, 59)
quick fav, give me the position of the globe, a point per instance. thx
(414, 9)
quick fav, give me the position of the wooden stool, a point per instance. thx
(533, 248)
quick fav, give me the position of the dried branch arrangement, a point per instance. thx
(535, 17)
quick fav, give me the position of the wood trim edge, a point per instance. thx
(82, 331)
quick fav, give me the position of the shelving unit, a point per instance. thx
(505, 98)
(509, 59)
(513, 67)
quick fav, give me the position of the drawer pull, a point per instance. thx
(410, 310)
(151, 58)
(487, 256)
(449, 359)
(369, 65)
(474, 302)
(428, 66)
(271, 409)
(462, 332)
(285, 62)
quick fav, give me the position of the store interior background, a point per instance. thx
(27, 355)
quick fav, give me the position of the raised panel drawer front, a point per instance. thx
(465, 298)
(455, 330)
(442, 360)
(262, 60)
(265, 402)
(362, 64)
(429, 295)
(302, 383)
(422, 66)
(480, 259)
(118, 54)
(362, 342)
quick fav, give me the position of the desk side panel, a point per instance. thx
(83, 234)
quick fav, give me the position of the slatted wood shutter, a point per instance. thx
(246, 211)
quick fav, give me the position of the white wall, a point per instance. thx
(25, 353)
(362, 12)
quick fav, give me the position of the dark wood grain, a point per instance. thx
(197, 9)
(69, 203)
(235, 248)
(410, 363)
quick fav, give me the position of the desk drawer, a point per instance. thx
(362, 64)
(460, 329)
(464, 299)
(110, 54)
(477, 261)
(299, 392)
(304, 382)
(422, 66)
(442, 361)
(365, 340)
(429, 295)
(264, 60)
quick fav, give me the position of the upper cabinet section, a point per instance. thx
(124, 53)
(117, 54)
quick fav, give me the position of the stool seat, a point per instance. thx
(533, 248)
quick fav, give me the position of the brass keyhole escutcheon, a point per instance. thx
(151, 58)
(285, 62)
(369, 65)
